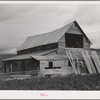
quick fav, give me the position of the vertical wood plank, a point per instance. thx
(90, 61)
(87, 62)
(96, 60)
(71, 61)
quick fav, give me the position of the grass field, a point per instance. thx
(86, 82)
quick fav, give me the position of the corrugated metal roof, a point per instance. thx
(50, 58)
(46, 38)
(19, 57)
(28, 56)
(40, 57)
(54, 57)
(37, 57)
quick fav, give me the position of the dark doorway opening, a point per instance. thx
(74, 40)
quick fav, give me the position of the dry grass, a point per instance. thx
(86, 82)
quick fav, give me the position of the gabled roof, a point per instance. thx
(47, 38)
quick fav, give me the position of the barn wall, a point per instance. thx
(64, 70)
(86, 44)
(74, 29)
(20, 65)
(62, 46)
(61, 51)
(61, 43)
(12, 66)
(31, 64)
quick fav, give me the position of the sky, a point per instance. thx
(18, 21)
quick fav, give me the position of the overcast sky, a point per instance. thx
(18, 21)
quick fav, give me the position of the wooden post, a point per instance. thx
(11, 67)
(78, 67)
(23, 66)
(5, 68)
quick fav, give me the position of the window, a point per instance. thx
(74, 40)
(50, 65)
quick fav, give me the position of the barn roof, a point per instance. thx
(19, 57)
(40, 57)
(50, 58)
(47, 38)
(29, 55)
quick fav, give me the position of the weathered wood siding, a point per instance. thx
(61, 43)
(76, 30)
(21, 65)
(64, 70)
(72, 30)
(61, 51)
(39, 48)
(86, 44)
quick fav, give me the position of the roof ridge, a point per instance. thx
(52, 30)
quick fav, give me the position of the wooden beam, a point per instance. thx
(68, 53)
(96, 60)
(90, 61)
(86, 61)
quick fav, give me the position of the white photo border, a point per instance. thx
(34, 94)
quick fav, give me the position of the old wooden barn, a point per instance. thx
(63, 51)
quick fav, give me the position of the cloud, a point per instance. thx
(14, 11)
(18, 21)
(88, 14)
(88, 17)
(8, 51)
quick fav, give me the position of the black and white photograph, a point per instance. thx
(50, 47)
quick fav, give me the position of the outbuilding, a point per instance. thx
(61, 51)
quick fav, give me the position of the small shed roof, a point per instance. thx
(28, 56)
(40, 57)
(19, 57)
(47, 38)
(50, 58)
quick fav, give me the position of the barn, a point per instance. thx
(63, 51)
